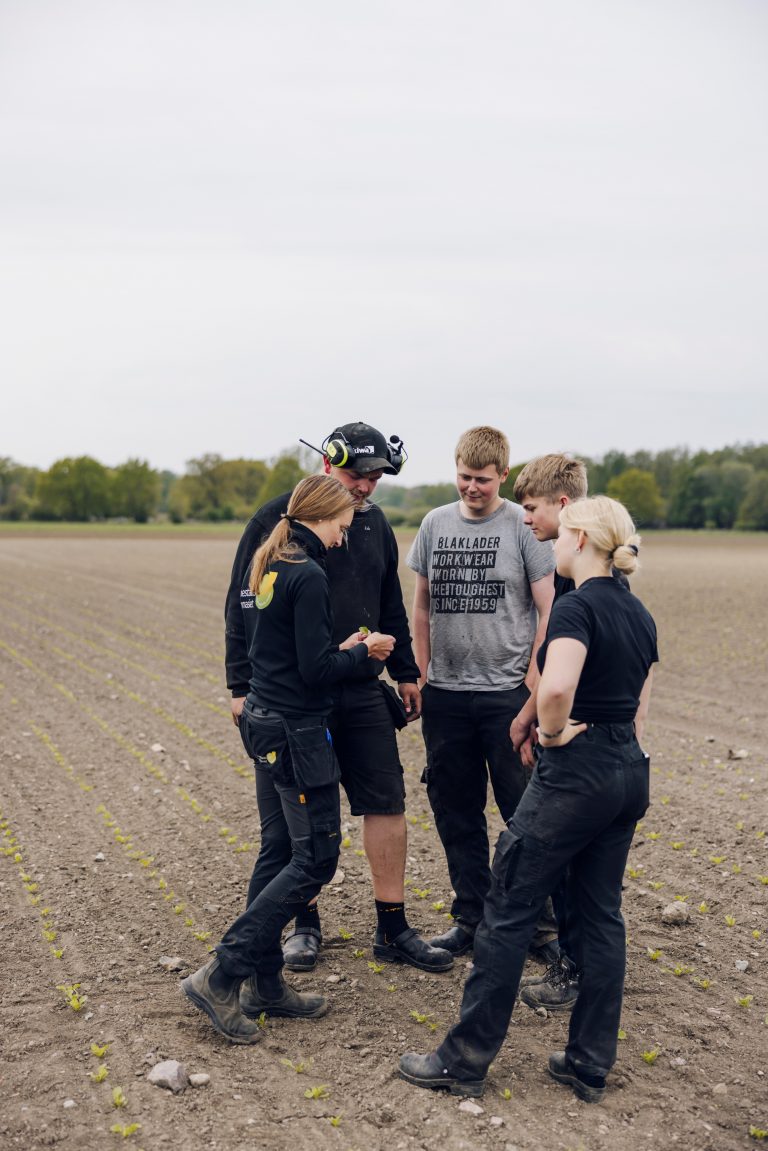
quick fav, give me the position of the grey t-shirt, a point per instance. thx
(482, 620)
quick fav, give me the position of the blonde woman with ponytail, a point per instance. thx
(588, 789)
(287, 609)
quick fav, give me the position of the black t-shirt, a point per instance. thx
(620, 637)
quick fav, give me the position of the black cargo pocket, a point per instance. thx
(324, 810)
(395, 705)
(518, 866)
(639, 771)
(265, 742)
(312, 754)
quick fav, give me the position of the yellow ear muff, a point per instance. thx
(337, 453)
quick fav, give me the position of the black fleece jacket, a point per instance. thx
(364, 587)
(293, 659)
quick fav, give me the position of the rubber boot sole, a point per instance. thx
(471, 1089)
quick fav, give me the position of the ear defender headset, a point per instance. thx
(341, 452)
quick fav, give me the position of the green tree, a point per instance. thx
(640, 494)
(17, 489)
(727, 490)
(74, 489)
(753, 513)
(285, 474)
(136, 490)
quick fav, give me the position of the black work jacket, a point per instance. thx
(364, 587)
(292, 656)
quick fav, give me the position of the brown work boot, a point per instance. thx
(218, 996)
(286, 1001)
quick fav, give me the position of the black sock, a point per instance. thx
(391, 919)
(308, 917)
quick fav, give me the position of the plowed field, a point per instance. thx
(128, 829)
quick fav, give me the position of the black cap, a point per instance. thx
(368, 449)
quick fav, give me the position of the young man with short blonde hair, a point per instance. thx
(483, 594)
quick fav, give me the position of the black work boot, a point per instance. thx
(429, 1071)
(590, 1088)
(218, 996)
(300, 949)
(409, 947)
(273, 996)
(457, 939)
(557, 990)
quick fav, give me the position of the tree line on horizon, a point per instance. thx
(722, 489)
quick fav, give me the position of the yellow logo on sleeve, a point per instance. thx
(266, 590)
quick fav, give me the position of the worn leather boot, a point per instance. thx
(218, 996)
(256, 997)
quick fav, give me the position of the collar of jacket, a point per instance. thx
(308, 541)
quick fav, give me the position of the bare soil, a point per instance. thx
(116, 742)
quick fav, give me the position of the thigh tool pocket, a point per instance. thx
(519, 866)
(265, 741)
(314, 760)
(323, 808)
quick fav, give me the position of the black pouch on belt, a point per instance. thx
(312, 755)
(395, 705)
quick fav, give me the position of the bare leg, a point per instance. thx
(385, 841)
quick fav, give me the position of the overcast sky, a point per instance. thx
(226, 225)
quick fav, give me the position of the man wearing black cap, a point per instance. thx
(365, 593)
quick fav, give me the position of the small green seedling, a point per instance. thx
(744, 1000)
(730, 921)
(758, 1132)
(118, 1097)
(419, 1016)
(505, 1093)
(657, 886)
(678, 844)
(717, 859)
(99, 1050)
(125, 1129)
(299, 1067)
(345, 935)
(101, 1073)
(653, 836)
(72, 996)
(704, 984)
(756, 934)
(680, 969)
(654, 955)
(358, 953)
(421, 892)
(703, 908)
(261, 1020)
(622, 1033)
(334, 1120)
(651, 1056)
(439, 905)
(319, 1092)
(376, 968)
(763, 879)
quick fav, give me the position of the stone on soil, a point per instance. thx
(676, 913)
(470, 1108)
(170, 1074)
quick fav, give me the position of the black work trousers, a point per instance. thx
(466, 734)
(300, 835)
(580, 809)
